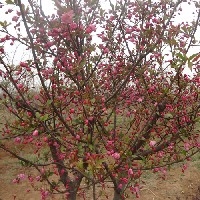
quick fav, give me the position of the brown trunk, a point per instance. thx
(72, 194)
(73, 185)
(117, 196)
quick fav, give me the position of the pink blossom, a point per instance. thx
(171, 146)
(116, 155)
(67, 17)
(184, 167)
(106, 50)
(20, 86)
(69, 67)
(187, 146)
(124, 180)
(38, 178)
(156, 169)
(160, 154)
(135, 190)
(55, 144)
(29, 114)
(71, 110)
(15, 180)
(86, 122)
(109, 142)
(28, 69)
(36, 97)
(130, 172)
(68, 119)
(35, 133)
(49, 44)
(1, 50)
(132, 39)
(21, 176)
(44, 194)
(15, 18)
(140, 99)
(73, 26)
(42, 171)
(90, 29)
(152, 143)
(151, 89)
(17, 140)
(45, 139)
(120, 186)
(78, 137)
(112, 18)
(128, 114)
(23, 64)
(110, 152)
(10, 10)
(129, 30)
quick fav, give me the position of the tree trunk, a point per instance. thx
(117, 196)
(72, 194)
(73, 185)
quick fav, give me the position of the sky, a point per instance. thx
(48, 8)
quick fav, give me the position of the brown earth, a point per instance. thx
(177, 186)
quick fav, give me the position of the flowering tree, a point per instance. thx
(103, 94)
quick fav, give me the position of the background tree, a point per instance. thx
(103, 95)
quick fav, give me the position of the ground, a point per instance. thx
(177, 186)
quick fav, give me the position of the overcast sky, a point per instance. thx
(186, 16)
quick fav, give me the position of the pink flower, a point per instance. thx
(130, 172)
(21, 176)
(106, 50)
(15, 18)
(72, 110)
(17, 140)
(160, 154)
(184, 167)
(78, 137)
(45, 139)
(15, 180)
(1, 50)
(73, 26)
(128, 114)
(38, 178)
(29, 114)
(67, 18)
(35, 133)
(68, 119)
(116, 155)
(136, 190)
(187, 146)
(120, 186)
(110, 152)
(140, 99)
(20, 86)
(23, 64)
(109, 142)
(90, 29)
(36, 97)
(44, 194)
(86, 122)
(152, 143)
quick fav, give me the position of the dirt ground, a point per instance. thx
(177, 186)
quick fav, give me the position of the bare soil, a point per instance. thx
(177, 186)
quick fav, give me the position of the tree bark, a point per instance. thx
(72, 185)
(117, 196)
(72, 194)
